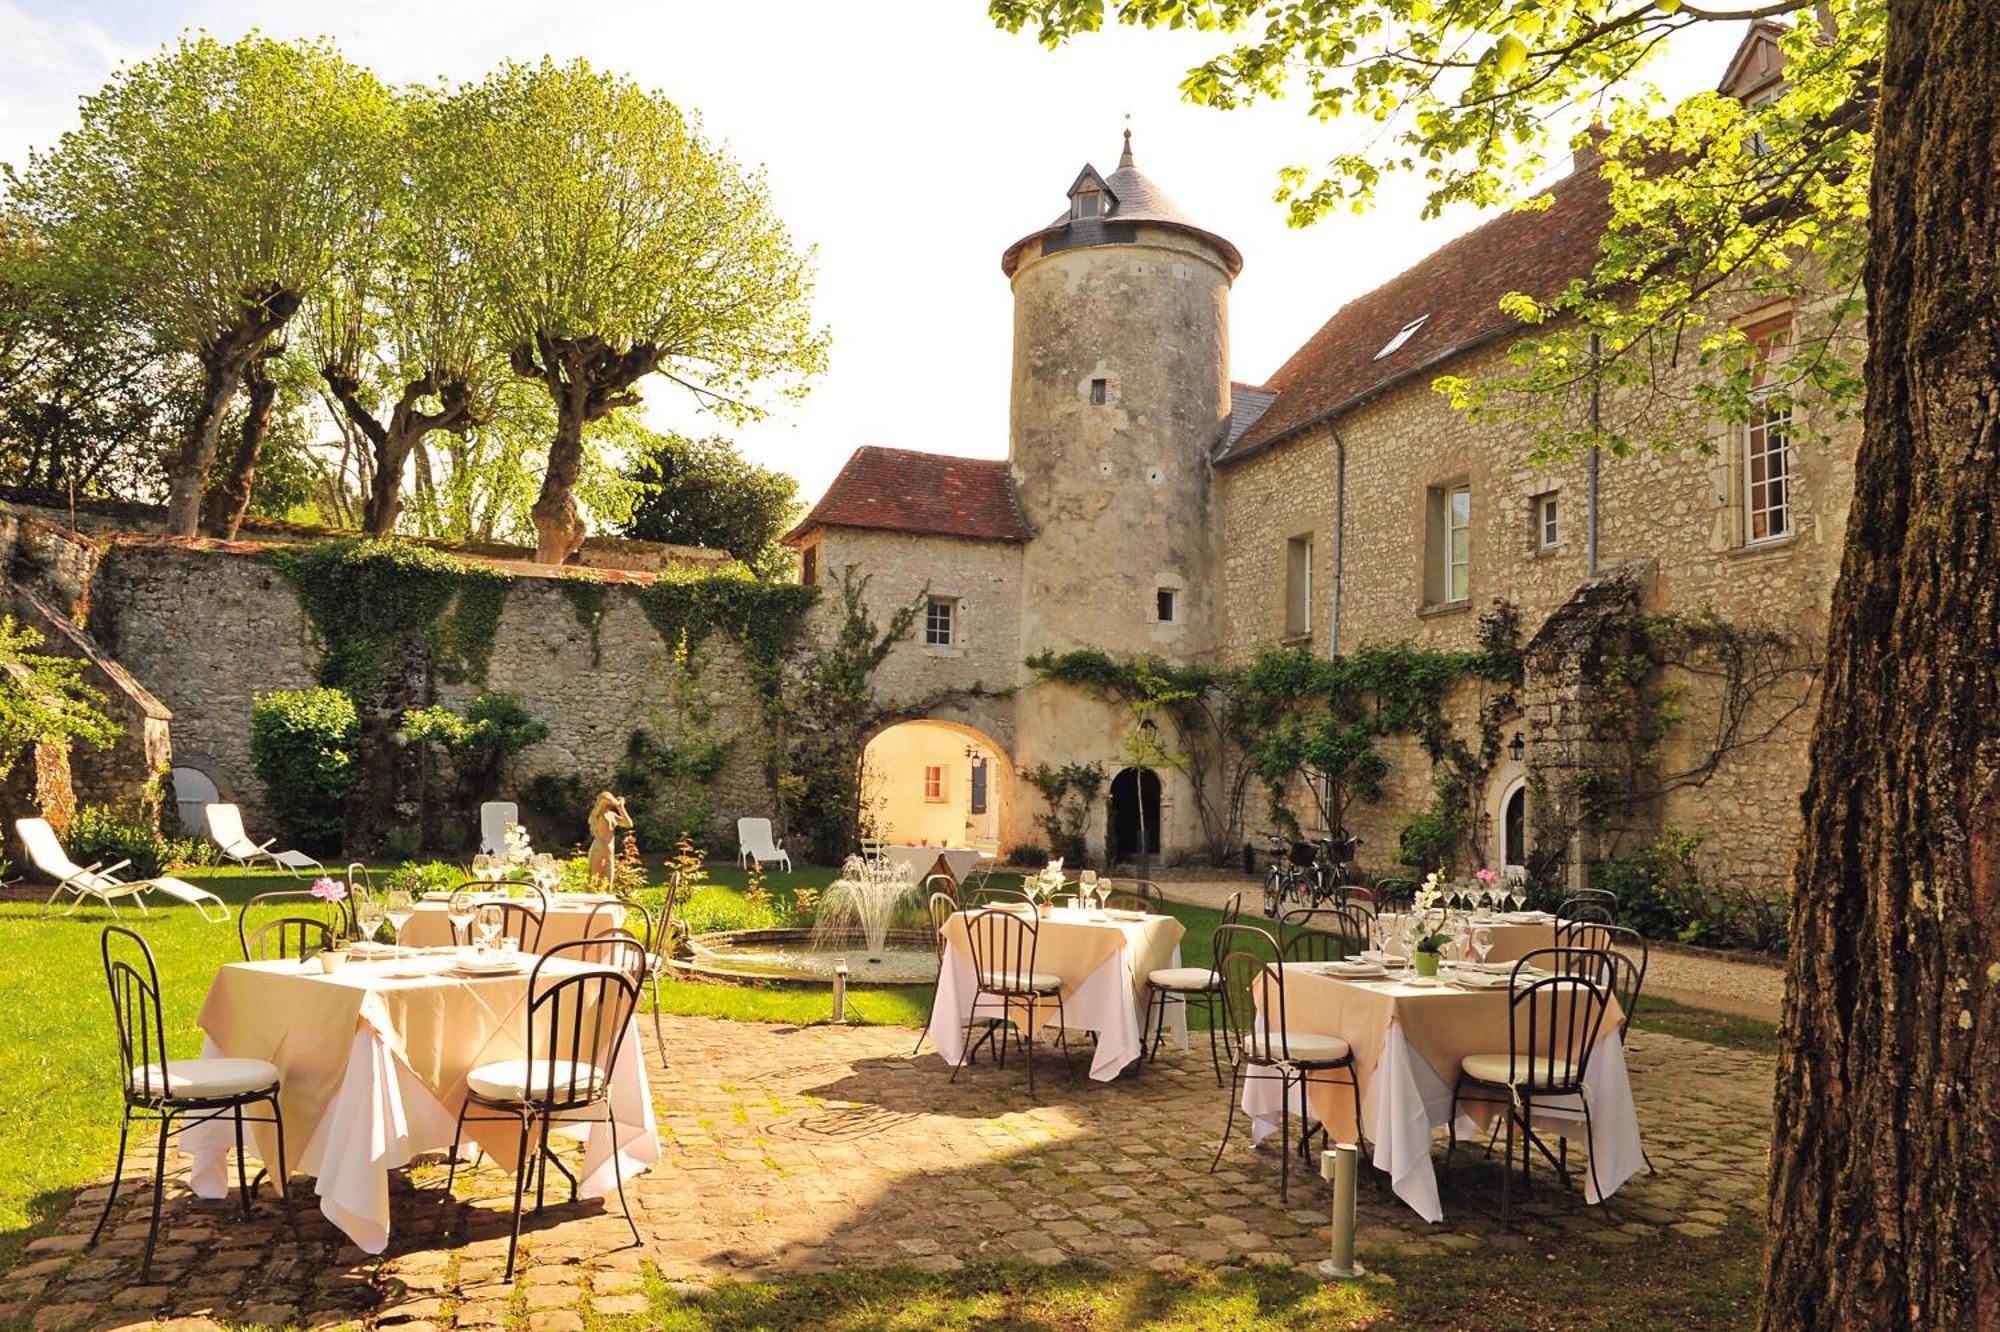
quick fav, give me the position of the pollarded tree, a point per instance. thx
(400, 323)
(1886, 1166)
(617, 243)
(215, 184)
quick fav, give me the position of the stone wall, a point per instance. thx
(209, 626)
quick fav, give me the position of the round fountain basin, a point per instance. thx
(907, 957)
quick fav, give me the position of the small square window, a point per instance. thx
(1298, 586)
(1164, 604)
(1097, 392)
(1548, 531)
(940, 615)
(933, 784)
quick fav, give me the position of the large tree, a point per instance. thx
(215, 184)
(702, 492)
(1885, 1192)
(616, 243)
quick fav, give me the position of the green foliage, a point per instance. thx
(418, 877)
(560, 802)
(1665, 892)
(589, 599)
(1028, 853)
(302, 744)
(763, 617)
(702, 492)
(371, 600)
(1714, 203)
(670, 787)
(43, 698)
(492, 724)
(101, 835)
(1432, 838)
(1067, 793)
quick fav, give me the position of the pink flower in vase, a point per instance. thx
(1487, 877)
(329, 890)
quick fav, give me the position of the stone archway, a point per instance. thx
(931, 782)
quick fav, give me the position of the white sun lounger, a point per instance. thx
(100, 883)
(225, 829)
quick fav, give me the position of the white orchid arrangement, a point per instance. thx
(1043, 887)
(516, 849)
(1430, 907)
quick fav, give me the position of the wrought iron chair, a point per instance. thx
(608, 919)
(1394, 895)
(576, 1025)
(1254, 998)
(339, 916)
(1324, 934)
(1003, 946)
(941, 883)
(942, 907)
(1190, 986)
(994, 894)
(163, 1090)
(1134, 895)
(1555, 1025)
(298, 937)
(519, 921)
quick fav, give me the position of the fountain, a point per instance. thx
(857, 914)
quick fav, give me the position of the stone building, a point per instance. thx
(1150, 505)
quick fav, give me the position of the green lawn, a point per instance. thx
(1669, 1285)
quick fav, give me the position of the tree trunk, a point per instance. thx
(1885, 1173)
(559, 529)
(223, 367)
(224, 506)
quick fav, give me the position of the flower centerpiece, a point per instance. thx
(1428, 912)
(1041, 888)
(331, 892)
(1489, 891)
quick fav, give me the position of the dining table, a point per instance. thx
(372, 1061)
(1102, 958)
(924, 861)
(1513, 934)
(1408, 1035)
(566, 920)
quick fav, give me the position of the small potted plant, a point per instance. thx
(1428, 912)
(1041, 889)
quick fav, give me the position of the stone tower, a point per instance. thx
(1121, 385)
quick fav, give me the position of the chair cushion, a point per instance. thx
(197, 1079)
(1040, 982)
(1182, 978)
(1300, 1047)
(508, 1079)
(1495, 1068)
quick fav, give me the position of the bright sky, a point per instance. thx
(908, 140)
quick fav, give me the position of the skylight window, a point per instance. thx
(1407, 332)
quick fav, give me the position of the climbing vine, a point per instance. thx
(589, 600)
(763, 617)
(369, 599)
(1068, 792)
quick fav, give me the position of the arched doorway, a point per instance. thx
(1514, 829)
(1135, 814)
(933, 783)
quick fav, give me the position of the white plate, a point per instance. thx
(493, 967)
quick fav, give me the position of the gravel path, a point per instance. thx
(1749, 987)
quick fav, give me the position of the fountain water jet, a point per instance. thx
(865, 898)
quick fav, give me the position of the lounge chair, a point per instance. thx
(754, 842)
(100, 882)
(494, 816)
(225, 829)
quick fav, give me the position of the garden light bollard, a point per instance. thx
(1339, 1164)
(840, 989)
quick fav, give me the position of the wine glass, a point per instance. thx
(490, 923)
(459, 911)
(398, 907)
(1482, 943)
(368, 916)
(1087, 895)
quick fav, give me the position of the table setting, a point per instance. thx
(373, 1044)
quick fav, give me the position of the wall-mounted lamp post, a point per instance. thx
(1517, 747)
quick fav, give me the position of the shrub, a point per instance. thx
(99, 834)
(558, 805)
(1665, 893)
(302, 743)
(1028, 853)
(417, 877)
(1431, 839)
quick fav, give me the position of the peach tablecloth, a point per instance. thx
(1103, 961)
(1407, 1042)
(372, 1073)
(564, 922)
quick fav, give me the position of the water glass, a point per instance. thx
(1482, 943)
(396, 904)
(459, 911)
(491, 923)
(367, 916)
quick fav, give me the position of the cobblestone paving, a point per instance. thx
(788, 1151)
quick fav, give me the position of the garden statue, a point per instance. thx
(606, 817)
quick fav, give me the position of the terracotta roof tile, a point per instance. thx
(901, 490)
(1458, 287)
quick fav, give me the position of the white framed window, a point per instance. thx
(1548, 528)
(1452, 506)
(1298, 586)
(934, 788)
(1767, 475)
(940, 621)
(1087, 203)
(1403, 335)
(1167, 605)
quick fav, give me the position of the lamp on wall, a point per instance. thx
(1517, 747)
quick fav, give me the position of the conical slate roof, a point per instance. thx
(1134, 198)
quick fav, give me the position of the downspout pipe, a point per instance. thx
(1339, 535)
(1590, 472)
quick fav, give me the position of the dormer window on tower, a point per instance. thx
(1089, 196)
(1087, 203)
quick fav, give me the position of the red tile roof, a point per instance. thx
(901, 490)
(1459, 287)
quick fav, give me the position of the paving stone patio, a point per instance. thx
(789, 1151)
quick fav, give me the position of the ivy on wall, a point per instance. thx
(589, 600)
(367, 599)
(763, 617)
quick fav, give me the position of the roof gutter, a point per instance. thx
(1339, 533)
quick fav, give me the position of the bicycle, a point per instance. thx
(1282, 877)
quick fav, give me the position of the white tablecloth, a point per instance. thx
(380, 1115)
(1107, 1000)
(1405, 1098)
